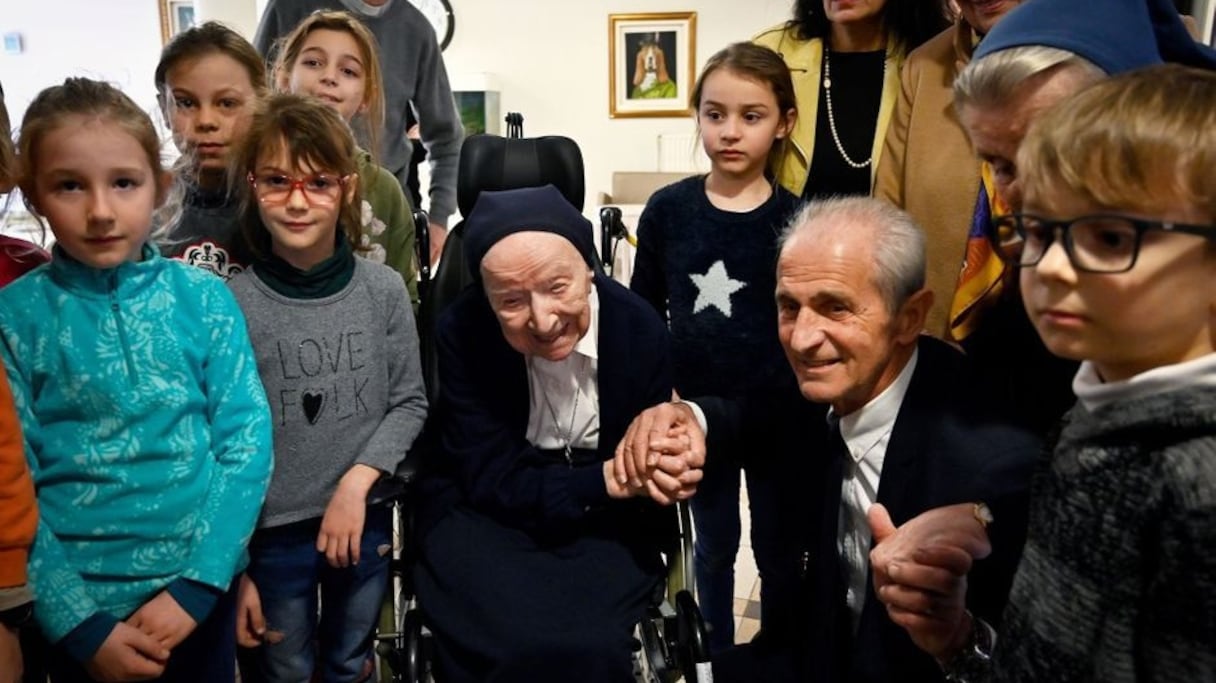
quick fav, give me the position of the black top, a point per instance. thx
(711, 274)
(857, 80)
(483, 459)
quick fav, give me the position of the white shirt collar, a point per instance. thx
(1095, 393)
(863, 428)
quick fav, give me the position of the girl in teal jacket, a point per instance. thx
(146, 427)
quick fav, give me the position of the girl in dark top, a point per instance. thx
(207, 81)
(706, 251)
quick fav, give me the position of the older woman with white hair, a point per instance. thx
(536, 561)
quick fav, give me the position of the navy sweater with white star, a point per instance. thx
(711, 274)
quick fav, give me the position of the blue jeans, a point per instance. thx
(287, 570)
(715, 518)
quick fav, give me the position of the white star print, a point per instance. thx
(714, 289)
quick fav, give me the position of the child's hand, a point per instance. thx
(164, 620)
(128, 654)
(342, 526)
(250, 622)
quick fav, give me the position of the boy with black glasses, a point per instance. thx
(1116, 248)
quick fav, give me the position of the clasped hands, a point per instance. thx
(661, 456)
(138, 648)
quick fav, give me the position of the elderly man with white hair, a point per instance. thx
(882, 414)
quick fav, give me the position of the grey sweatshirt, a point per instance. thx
(413, 73)
(344, 383)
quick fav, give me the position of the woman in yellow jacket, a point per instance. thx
(845, 58)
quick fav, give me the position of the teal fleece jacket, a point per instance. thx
(147, 431)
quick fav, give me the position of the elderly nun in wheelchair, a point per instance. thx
(535, 561)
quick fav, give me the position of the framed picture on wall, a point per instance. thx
(651, 62)
(175, 16)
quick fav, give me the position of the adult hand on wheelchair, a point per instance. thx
(250, 621)
(164, 620)
(920, 573)
(341, 531)
(666, 429)
(128, 654)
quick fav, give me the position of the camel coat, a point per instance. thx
(928, 166)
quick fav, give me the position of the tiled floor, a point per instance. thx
(747, 580)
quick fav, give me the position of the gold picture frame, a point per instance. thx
(651, 64)
(175, 16)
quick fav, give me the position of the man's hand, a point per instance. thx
(163, 620)
(920, 573)
(666, 429)
(10, 656)
(438, 235)
(128, 654)
(342, 525)
(250, 622)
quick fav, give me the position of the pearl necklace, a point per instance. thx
(827, 89)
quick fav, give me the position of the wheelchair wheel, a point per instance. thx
(691, 641)
(388, 640)
(655, 663)
(414, 656)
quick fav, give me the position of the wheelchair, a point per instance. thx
(671, 641)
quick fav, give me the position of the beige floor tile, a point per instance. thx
(746, 574)
(738, 607)
(746, 630)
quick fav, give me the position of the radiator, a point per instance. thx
(682, 153)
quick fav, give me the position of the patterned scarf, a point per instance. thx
(982, 279)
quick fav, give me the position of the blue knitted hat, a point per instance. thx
(544, 209)
(1116, 35)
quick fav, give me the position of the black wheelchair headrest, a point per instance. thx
(490, 162)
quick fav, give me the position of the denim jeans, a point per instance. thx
(715, 517)
(288, 571)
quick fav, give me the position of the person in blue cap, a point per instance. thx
(1042, 54)
(1038, 55)
(1114, 249)
(535, 562)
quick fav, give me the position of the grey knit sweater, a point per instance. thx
(344, 383)
(1118, 578)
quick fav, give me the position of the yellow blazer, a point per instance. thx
(805, 61)
(928, 165)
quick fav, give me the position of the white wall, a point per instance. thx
(550, 58)
(114, 40)
(1204, 12)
